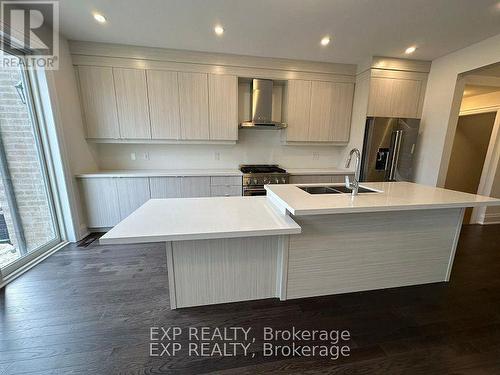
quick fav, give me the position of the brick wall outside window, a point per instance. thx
(22, 157)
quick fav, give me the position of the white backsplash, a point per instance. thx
(253, 147)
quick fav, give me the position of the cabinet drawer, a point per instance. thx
(226, 191)
(226, 180)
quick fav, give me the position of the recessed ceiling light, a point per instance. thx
(325, 41)
(219, 30)
(99, 18)
(410, 50)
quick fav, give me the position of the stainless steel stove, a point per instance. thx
(257, 175)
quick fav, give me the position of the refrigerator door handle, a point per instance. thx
(396, 148)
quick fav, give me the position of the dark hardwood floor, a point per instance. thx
(88, 310)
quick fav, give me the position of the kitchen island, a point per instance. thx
(294, 244)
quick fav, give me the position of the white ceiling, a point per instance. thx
(288, 28)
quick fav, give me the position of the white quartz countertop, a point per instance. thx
(201, 172)
(162, 173)
(316, 171)
(394, 196)
(179, 219)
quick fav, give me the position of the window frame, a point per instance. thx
(35, 110)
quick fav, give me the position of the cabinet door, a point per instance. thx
(132, 103)
(97, 93)
(101, 202)
(331, 107)
(321, 115)
(343, 97)
(393, 97)
(223, 101)
(165, 187)
(132, 193)
(297, 110)
(163, 94)
(193, 101)
(194, 187)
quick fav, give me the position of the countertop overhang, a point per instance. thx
(178, 219)
(394, 196)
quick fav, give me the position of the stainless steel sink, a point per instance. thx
(334, 189)
(319, 190)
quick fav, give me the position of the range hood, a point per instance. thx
(262, 106)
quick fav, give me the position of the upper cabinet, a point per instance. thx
(395, 97)
(297, 109)
(396, 87)
(193, 102)
(132, 103)
(138, 104)
(318, 111)
(97, 94)
(131, 94)
(223, 106)
(343, 98)
(163, 94)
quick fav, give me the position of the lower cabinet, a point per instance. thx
(226, 186)
(179, 187)
(108, 200)
(317, 179)
(132, 193)
(101, 202)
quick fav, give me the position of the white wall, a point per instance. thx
(358, 120)
(441, 107)
(254, 146)
(78, 156)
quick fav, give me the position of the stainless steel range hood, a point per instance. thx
(262, 106)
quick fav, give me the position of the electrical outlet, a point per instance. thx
(217, 155)
(315, 155)
(133, 156)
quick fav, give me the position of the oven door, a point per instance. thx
(254, 191)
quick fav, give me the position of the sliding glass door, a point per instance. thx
(28, 225)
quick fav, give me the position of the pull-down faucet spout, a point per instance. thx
(354, 186)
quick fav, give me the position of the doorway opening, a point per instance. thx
(468, 154)
(474, 165)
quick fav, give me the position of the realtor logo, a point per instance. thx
(30, 29)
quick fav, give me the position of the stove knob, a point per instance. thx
(283, 180)
(266, 181)
(276, 180)
(255, 181)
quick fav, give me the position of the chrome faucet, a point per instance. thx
(354, 186)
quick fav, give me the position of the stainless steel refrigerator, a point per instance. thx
(388, 148)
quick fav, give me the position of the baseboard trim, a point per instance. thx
(14, 275)
(491, 219)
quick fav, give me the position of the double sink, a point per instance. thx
(334, 189)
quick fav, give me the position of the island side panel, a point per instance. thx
(225, 270)
(363, 251)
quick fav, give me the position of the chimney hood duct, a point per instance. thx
(262, 106)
